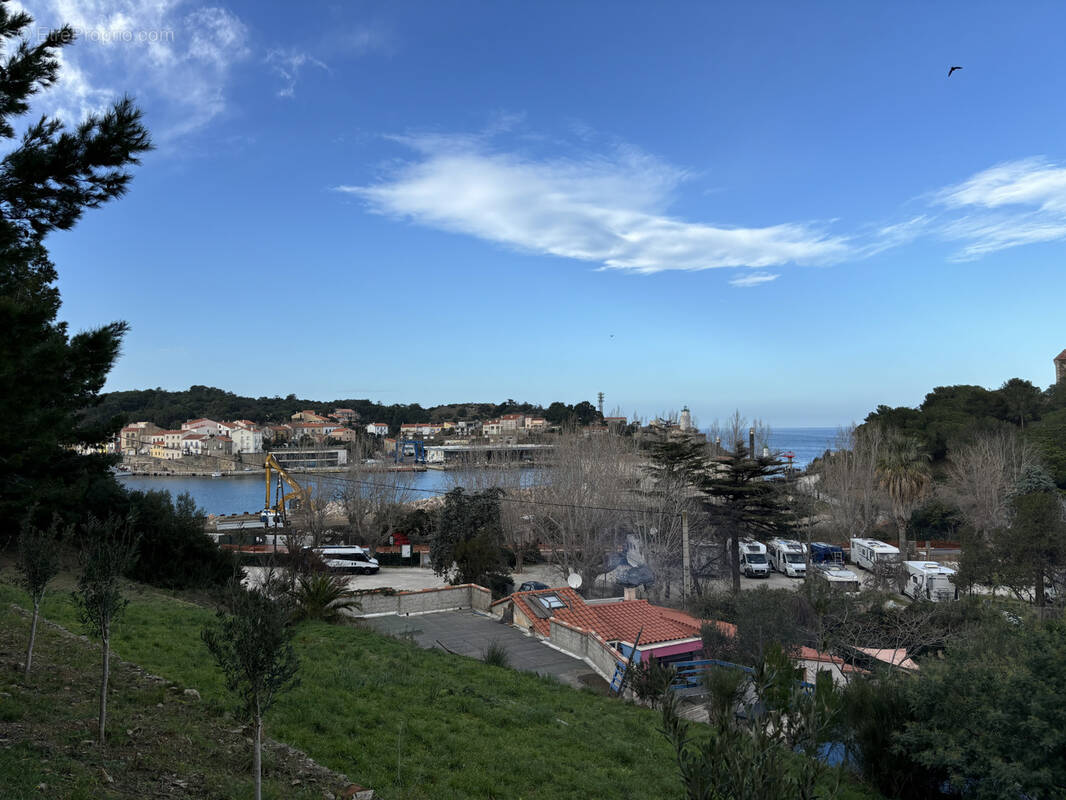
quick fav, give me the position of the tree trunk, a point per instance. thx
(734, 560)
(1040, 595)
(103, 684)
(33, 634)
(257, 753)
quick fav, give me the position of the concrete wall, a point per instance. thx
(586, 645)
(445, 598)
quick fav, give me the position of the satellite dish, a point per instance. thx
(574, 580)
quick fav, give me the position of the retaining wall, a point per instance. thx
(423, 601)
(586, 645)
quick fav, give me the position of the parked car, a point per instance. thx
(533, 586)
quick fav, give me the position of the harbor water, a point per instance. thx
(238, 494)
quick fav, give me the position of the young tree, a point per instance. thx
(38, 560)
(47, 180)
(106, 553)
(252, 644)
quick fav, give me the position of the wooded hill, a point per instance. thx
(951, 414)
(169, 409)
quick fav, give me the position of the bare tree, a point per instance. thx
(849, 482)
(38, 560)
(373, 500)
(107, 549)
(580, 515)
(981, 473)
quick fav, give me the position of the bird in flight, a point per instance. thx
(952, 70)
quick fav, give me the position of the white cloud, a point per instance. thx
(174, 56)
(287, 64)
(606, 209)
(1008, 205)
(753, 279)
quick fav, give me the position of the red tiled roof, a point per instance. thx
(619, 621)
(1061, 356)
(624, 620)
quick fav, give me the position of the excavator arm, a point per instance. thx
(300, 493)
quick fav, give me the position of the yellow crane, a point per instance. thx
(301, 494)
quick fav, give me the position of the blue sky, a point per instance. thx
(784, 208)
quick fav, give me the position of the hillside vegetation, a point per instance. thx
(411, 723)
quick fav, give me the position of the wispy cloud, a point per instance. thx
(287, 65)
(609, 209)
(175, 56)
(753, 279)
(1008, 205)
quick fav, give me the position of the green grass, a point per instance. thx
(414, 723)
(160, 742)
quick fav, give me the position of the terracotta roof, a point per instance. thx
(623, 621)
(810, 654)
(1061, 356)
(620, 621)
(576, 613)
(897, 658)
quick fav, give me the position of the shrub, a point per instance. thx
(496, 655)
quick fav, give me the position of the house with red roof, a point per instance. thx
(665, 633)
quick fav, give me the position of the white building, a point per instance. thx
(378, 429)
(193, 443)
(246, 441)
(208, 427)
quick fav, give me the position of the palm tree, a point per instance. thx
(903, 471)
(323, 596)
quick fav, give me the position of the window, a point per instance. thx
(551, 601)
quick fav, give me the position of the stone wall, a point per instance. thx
(424, 601)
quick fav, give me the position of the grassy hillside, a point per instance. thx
(410, 723)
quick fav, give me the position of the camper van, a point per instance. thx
(930, 580)
(753, 561)
(837, 576)
(865, 553)
(823, 553)
(788, 557)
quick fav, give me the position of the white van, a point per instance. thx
(345, 558)
(788, 556)
(930, 580)
(753, 562)
(868, 552)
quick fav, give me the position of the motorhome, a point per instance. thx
(930, 580)
(837, 576)
(866, 553)
(788, 557)
(824, 553)
(753, 562)
(347, 558)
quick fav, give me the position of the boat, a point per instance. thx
(216, 474)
